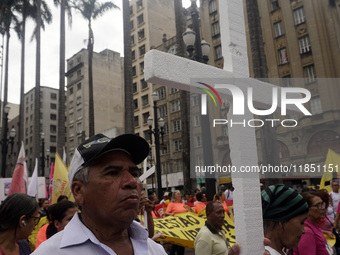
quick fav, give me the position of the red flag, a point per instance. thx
(18, 184)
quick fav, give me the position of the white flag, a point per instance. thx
(33, 185)
(64, 155)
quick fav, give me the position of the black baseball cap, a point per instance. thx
(97, 145)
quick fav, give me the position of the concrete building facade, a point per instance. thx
(48, 127)
(108, 96)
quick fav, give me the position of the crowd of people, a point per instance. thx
(104, 180)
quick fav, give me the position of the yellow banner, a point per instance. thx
(332, 165)
(183, 228)
(60, 181)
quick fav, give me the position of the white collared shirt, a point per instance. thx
(76, 238)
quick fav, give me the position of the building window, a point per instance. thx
(142, 50)
(178, 145)
(304, 44)
(310, 75)
(166, 128)
(143, 83)
(175, 106)
(78, 59)
(278, 29)
(197, 120)
(140, 19)
(287, 81)
(147, 135)
(145, 100)
(71, 117)
(79, 100)
(71, 130)
(215, 29)
(79, 127)
(70, 91)
(195, 100)
(132, 39)
(131, 25)
(299, 16)
(283, 57)
(198, 140)
(173, 90)
(218, 52)
(163, 111)
(53, 106)
(145, 117)
(133, 55)
(53, 95)
(79, 112)
(79, 73)
(134, 72)
(141, 34)
(53, 117)
(136, 121)
(315, 105)
(131, 10)
(53, 138)
(134, 87)
(135, 104)
(139, 5)
(274, 4)
(70, 105)
(79, 86)
(176, 126)
(53, 128)
(141, 67)
(161, 93)
(212, 6)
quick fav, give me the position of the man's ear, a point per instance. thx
(77, 189)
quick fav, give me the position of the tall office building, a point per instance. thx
(150, 21)
(108, 96)
(48, 128)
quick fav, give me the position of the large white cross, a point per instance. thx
(172, 71)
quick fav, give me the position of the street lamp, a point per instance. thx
(4, 141)
(48, 158)
(42, 154)
(192, 39)
(156, 133)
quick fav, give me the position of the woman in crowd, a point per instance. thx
(19, 214)
(200, 205)
(176, 206)
(313, 241)
(284, 212)
(220, 197)
(60, 215)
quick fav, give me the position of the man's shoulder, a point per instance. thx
(51, 244)
(155, 248)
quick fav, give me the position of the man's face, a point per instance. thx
(216, 217)
(335, 186)
(113, 191)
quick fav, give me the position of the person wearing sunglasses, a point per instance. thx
(313, 241)
(19, 214)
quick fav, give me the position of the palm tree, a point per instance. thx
(42, 13)
(8, 17)
(91, 10)
(61, 104)
(128, 94)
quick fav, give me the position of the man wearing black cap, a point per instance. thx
(104, 180)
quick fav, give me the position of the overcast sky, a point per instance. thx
(108, 33)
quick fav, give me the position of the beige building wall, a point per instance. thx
(108, 95)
